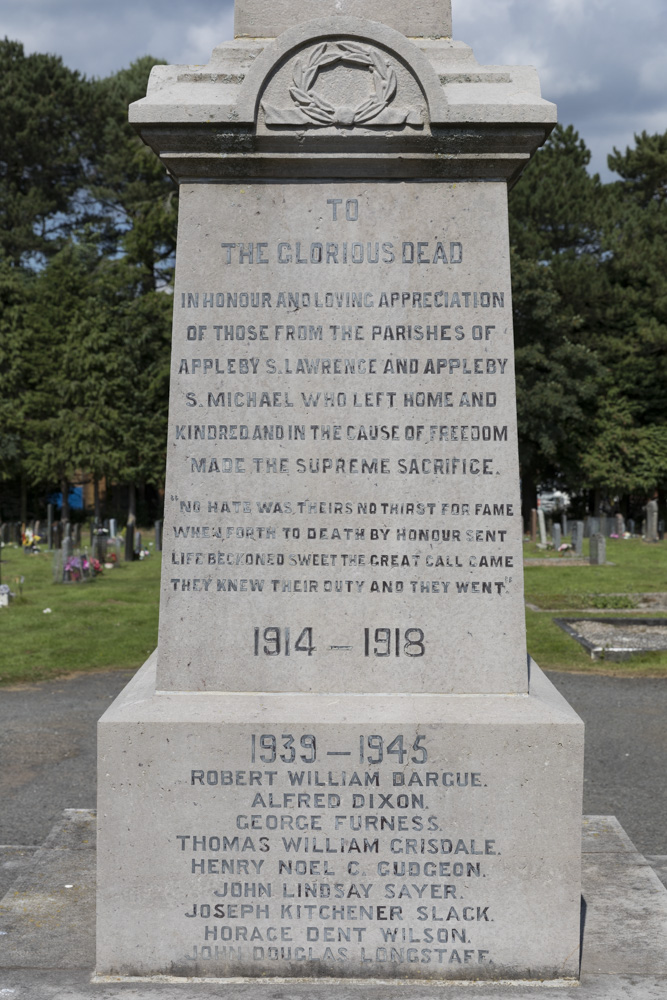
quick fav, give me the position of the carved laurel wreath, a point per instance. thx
(317, 108)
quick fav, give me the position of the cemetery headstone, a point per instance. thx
(578, 537)
(113, 527)
(342, 559)
(598, 550)
(556, 536)
(158, 536)
(533, 525)
(129, 543)
(563, 525)
(137, 542)
(619, 525)
(592, 526)
(100, 545)
(652, 521)
(542, 526)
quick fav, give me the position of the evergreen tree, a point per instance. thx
(556, 215)
(628, 452)
(45, 143)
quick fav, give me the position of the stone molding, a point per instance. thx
(450, 117)
(333, 29)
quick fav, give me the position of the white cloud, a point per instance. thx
(602, 61)
(201, 39)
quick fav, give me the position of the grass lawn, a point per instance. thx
(112, 623)
(633, 567)
(108, 624)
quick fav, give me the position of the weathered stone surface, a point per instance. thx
(13, 861)
(339, 762)
(51, 903)
(342, 453)
(505, 769)
(430, 18)
(477, 121)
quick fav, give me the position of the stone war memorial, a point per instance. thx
(340, 762)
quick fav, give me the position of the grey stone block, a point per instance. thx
(160, 785)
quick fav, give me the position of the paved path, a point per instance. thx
(47, 752)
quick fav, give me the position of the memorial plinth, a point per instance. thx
(340, 761)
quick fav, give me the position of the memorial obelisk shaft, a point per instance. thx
(339, 761)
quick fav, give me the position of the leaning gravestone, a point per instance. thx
(578, 537)
(556, 536)
(293, 785)
(598, 550)
(652, 521)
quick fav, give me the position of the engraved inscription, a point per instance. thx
(340, 850)
(343, 428)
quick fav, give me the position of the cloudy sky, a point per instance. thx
(603, 61)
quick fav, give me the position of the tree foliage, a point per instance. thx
(45, 145)
(590, 290)
(88, 219)
(87, 243)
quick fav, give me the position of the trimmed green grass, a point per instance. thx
(108, 624)
(637, 568)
